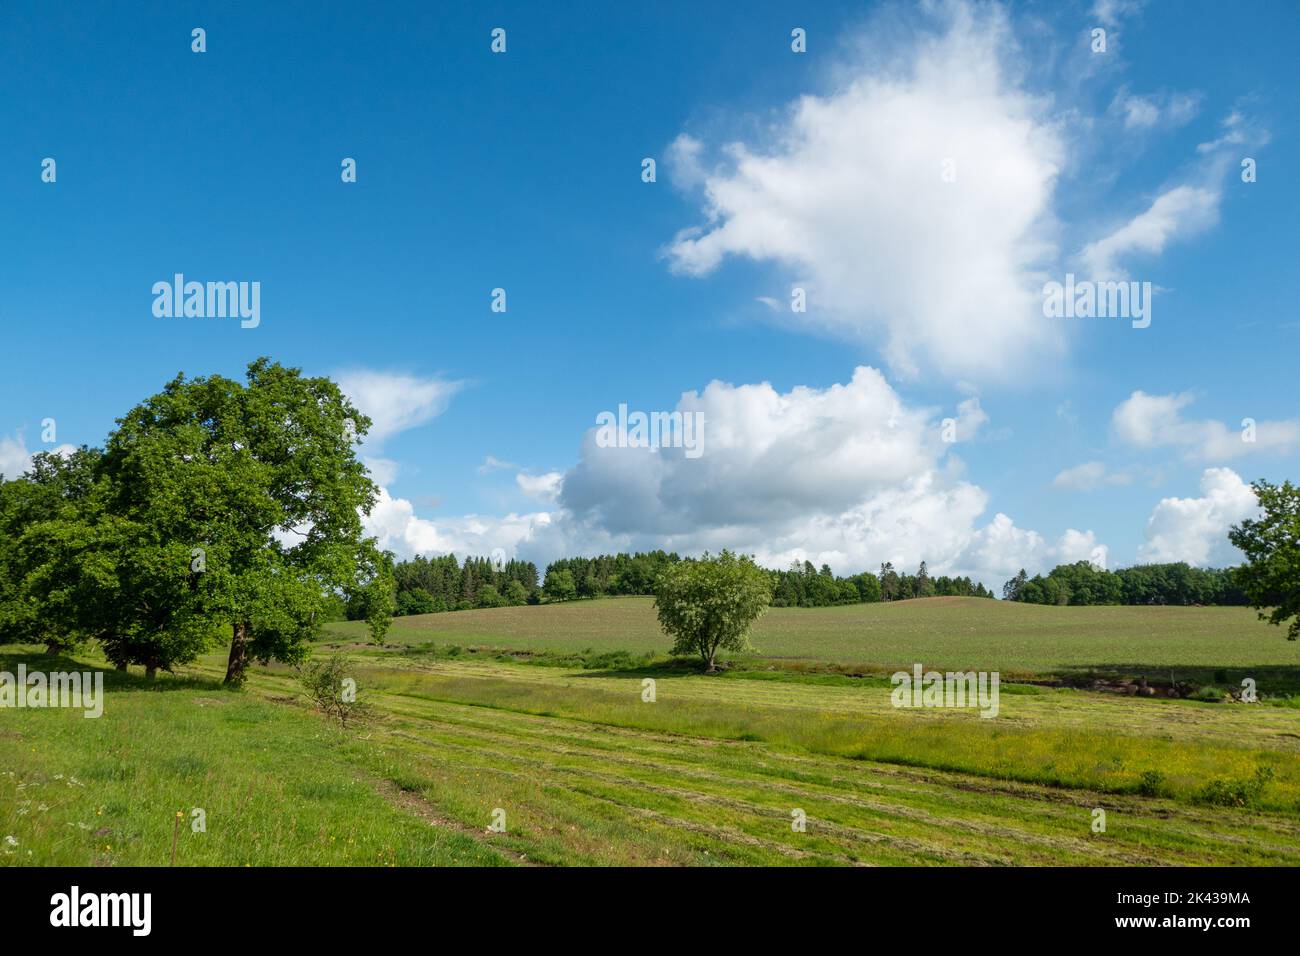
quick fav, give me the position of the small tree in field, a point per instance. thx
(1271, 575)
(329, 685)
(710, 604)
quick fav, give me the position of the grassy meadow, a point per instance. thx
(713, 771)
(1020, 640)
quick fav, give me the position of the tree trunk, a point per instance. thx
(122, 666)
(238, 655)
(150, 672)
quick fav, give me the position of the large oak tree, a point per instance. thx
(250, 496)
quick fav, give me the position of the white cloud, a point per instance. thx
(1088, 476)
(1195, 530)
(684, 155)
(542, 487)
(1180, 211)
(1109, 13)
(1153, 421)
(15, 459)
(396, 526)
(1146, 421)
(1181, 108)
(1080, 546)
(847, 195)
(394, 401)
(1237, 131)
(1000, 549)
(849, 475)
(492, 463)
(1177, 213)
(1139, 112)
(765, 454)
(1159, 109)
(383, 471)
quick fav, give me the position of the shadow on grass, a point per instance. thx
(114, 679)
(1272, 680)
(671, 667)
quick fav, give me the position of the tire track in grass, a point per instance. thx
(418, 806)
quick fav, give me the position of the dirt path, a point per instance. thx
(416, 805)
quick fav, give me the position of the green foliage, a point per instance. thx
(431, 585)
(489, 596)
(1237, 792)
(1271, 575)
(476, 583)
(375, 598)
(417, 601)
(614, 574)
(1014, 589)
(803, 585)
(214, 505)
(262, 481)
(710, 604)
(1084, 584)
(516, 593)
(1152, 784)
(559, 584)
(45, 594)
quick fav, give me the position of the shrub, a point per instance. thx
(329, 686)
(1236, 793)
(1152, 784)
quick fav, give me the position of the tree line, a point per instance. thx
(1268, 580)
(429, 585)
(1083, 583)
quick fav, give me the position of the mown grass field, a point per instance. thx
(709, 773)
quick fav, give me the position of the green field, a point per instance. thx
(1017, 639)
(709, 773)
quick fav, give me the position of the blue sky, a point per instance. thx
(775, 169)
